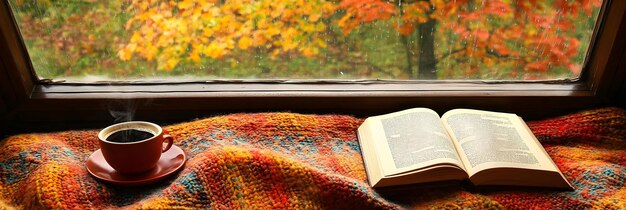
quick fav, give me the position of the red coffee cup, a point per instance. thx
(133, 147)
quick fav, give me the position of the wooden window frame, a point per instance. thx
(30, 105)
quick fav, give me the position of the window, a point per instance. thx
(85, 41)
(29, 103)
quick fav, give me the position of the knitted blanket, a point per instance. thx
(296, 161)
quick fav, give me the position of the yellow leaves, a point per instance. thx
(136, 37)
(320, 27)
(328, 8)
(346, 24)
(289, 14)
(321, 43)
(258, 38)
(310, 51)
(126, 53)
(271, 31)
(195, 56)
(531, 30)
(214, 51)
(181, 27)
(246, 9)
(314, 17)
(287, 39)
(149, 51)
(215, 12)
(185, 4)
(206, 16)
(308, 27)
(170, 64)
(182, 31)
(244, 42)
(207, 32)
(276, 12)
(144, 5)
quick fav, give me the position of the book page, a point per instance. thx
(413, 139)
(491, 139)
(369, 152)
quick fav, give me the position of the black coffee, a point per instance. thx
(129, 135)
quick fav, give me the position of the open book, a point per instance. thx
(486, 148)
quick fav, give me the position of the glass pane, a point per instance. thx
(90, 40)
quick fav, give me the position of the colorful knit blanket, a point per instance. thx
(296, 161)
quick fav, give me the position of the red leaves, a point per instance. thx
(556, 51)
(530, 35)
(551, 20)
(573, 7)
(412, 15)
(541, 66)
(405, 29)
(497, 8)
(536, 35)
(365, 11)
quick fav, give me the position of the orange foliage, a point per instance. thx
(527, 32)
(172, 32)
(364, 11)
(488, 30)
(416, 13)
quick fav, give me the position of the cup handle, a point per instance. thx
(170, 141)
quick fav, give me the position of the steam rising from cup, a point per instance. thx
(122, 110)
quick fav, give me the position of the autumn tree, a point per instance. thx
(66, 27)
(526, 35)
(441, 37)
(174, 31)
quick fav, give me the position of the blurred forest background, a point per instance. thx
(307, 39)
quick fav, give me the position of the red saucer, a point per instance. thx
(171, 161)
